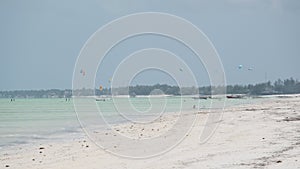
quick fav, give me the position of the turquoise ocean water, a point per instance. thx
(28, 120)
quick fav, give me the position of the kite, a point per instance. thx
(82, 72)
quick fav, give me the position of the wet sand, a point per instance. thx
(261, 135)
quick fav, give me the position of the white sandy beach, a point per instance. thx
(262, 135)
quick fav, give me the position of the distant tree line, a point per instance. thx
(52, 93)
(288, 86)
(154, 90)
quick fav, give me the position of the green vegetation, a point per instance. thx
(288, 86)
(52, 93)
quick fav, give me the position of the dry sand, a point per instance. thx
(261, 135)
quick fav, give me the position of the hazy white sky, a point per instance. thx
(41, 39)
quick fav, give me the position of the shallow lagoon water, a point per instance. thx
(28, 120)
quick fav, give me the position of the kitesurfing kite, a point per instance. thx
(82, 72)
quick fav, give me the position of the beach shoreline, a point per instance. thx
(259, 135)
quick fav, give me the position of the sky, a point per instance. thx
(41, 40)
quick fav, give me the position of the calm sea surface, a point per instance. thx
(28, 120)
